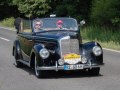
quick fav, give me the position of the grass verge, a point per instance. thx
(8, 22)
(108, 38)
(109, 45)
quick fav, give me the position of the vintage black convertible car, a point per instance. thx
(55, 47)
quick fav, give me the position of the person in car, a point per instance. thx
(37, 25)
(60, 24)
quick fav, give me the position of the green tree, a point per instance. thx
(79, 9)
(4, 2)
(106, 12)
(7, 9)
(32, 8)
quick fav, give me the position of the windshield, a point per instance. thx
(55, 24)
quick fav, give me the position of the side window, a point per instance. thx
(25, 26)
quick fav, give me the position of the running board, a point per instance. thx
(24, 62)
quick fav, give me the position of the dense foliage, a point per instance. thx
(101, 12)
(106, 12)
(32, 8)
(102, 16)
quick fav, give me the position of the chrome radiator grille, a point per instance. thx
(69, 46)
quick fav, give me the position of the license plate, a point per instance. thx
(73, 67)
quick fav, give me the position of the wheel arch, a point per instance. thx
(35, 52)
(32, 60)
(88, 49)
(17, 49)
(13, 50)
(90, 45)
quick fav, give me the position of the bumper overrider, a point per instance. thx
(69, 67)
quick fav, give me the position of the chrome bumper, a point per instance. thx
(56, 68)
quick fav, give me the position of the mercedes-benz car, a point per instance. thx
(55, 47)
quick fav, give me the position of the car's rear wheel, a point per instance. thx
(94, 71)
(38, 73)
(16, 62)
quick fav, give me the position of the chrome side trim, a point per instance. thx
(24, 62)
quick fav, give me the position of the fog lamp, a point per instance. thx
(84, 59)
(60, 62)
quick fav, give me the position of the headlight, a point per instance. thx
(44, 53)
(97, 50)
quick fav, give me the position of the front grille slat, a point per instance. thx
(69, 46)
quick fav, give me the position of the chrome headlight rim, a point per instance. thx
(97, 51)
(44, 53)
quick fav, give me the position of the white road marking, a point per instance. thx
(4, 39)
(111, 50)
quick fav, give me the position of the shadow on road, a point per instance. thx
(61, 74)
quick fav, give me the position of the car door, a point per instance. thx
(28, 44)
(25, 39)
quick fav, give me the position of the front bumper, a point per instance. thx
(56, 67)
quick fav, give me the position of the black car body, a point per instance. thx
(55, 49)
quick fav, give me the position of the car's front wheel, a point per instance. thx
(94, 71)
(38, 73)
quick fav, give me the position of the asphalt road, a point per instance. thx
(12, 78)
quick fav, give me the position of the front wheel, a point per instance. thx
(38, 73)
(94, 71)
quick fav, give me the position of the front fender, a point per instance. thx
(89, 46)
(16, 47)
(37, 48)
(35, 51)
(87, 50)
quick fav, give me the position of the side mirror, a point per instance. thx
(82, 22)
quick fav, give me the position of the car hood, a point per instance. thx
(55, 35)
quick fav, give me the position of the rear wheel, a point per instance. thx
(38, 73)
(16, 62)
(94, 71)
